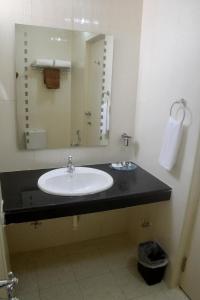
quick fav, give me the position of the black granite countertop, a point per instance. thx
(24, 202)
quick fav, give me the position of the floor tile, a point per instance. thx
(27, 281)
(101, 287)
(167, 294)
(158, 296)
(53, 267)
(176, 294)
(88, 263)
(117, 257)
(45, 256)
(61, 292)
(24, 267)
(48, 275)
(132, 285)
(34, 295)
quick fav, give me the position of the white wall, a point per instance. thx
(123, 21)
(169, 70)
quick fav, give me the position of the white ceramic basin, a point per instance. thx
(83, 181)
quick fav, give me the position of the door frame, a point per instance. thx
(4, 256)
(189, 220)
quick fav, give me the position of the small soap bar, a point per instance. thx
(116, 165)
(123, 166)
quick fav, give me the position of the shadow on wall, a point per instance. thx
(176, 172)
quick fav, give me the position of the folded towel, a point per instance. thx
(43, 62)
(62, 63)
(171, 143)
(51, 78)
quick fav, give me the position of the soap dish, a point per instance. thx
(124, 166)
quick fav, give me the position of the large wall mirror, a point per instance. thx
(63, 87)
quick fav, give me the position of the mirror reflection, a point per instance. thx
(63, 87)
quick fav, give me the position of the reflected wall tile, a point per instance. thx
(52, 13)
(11, 158)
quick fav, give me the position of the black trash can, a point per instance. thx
(152, 262)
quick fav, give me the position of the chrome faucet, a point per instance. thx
(9, 284)
(70, 166)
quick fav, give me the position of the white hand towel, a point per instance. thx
(62, 63)
(43, 62)
(171, 143)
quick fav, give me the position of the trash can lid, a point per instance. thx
(151, 254)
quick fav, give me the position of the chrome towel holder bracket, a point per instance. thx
(182, 105)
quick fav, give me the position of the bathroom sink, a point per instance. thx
(83, 181)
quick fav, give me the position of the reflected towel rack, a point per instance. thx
(182, 105)
(51, 63)
(34, 67)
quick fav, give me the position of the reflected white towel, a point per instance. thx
(44, 62)
(62, 63)
(171, 143)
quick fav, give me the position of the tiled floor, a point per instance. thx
(103, 269)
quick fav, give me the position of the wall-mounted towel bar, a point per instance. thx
(181, 105)
(51, 63)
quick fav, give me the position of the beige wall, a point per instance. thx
(54, 232)
(169, 70)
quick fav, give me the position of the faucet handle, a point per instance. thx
(70, 166)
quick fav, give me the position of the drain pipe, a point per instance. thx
(75, 222)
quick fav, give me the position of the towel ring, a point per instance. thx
(181, 102)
